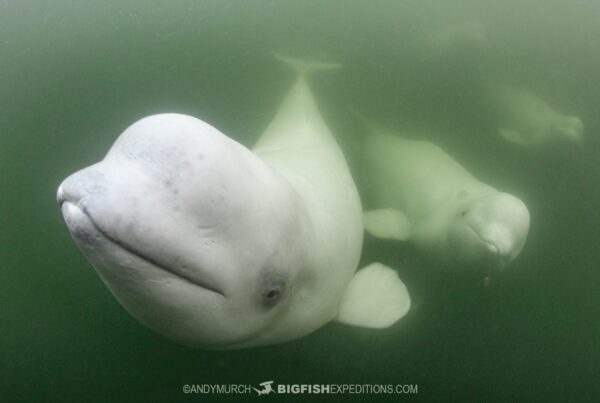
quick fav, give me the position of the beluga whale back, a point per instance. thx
(220, 247)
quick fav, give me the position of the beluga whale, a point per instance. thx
(217, 246)
(527, 120)
(422, 195)
(461, 38)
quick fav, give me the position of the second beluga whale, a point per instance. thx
(217, 246)
(422, 195)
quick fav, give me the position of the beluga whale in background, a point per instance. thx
(424, 196)
(216, 246)
(454, 38)
(527, 120)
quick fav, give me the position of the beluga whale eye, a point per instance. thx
(272, 294)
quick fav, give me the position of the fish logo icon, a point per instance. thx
(266, 388)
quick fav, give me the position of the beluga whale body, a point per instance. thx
(420, 194)
(216, 246)
(463, 37)
(528, 121)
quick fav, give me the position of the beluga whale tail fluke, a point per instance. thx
(217, 246)
(306, 67)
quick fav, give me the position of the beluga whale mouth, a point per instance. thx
(499, 258)
(491, 246)
(85, 230)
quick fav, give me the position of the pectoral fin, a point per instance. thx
(375, 298)
(387, 224)
(512, 136)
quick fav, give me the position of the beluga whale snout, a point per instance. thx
(496, 229)
(216, 246)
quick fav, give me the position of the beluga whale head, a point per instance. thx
(569, 128)
(488, 231)
(163, 218)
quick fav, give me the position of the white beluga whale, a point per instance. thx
(420, 194)
(527, 120)
(452, 38)
(216, 246)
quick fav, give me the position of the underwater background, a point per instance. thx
(75, 74)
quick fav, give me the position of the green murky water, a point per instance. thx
(74, 74)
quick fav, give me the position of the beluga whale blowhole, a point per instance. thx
(216, 246)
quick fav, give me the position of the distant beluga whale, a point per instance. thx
(216, 246)
(468, 35)
(420, 194)
(527, 120)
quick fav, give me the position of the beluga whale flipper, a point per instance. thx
(422, 195)
(216, 246)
